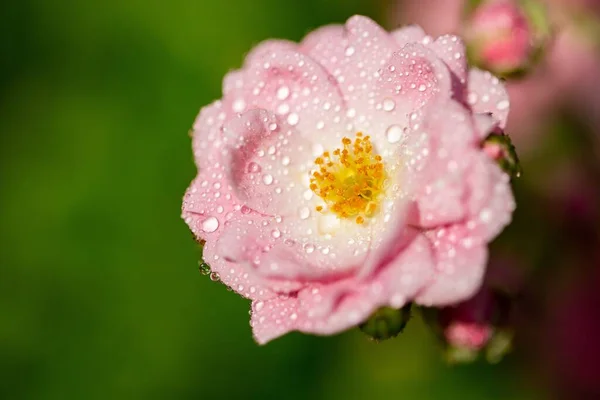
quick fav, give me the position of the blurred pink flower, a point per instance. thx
(345, 173)
(470, 335)
(500, 37)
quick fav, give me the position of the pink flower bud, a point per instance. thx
(504, 37)
(474, 325)
(470, 335)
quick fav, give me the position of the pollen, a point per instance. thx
(350, 179)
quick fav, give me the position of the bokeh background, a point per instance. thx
(100, 293)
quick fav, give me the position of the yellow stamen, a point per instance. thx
(351, 181)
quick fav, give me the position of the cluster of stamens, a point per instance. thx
(350, 180)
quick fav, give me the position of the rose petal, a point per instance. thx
(413, 78)
(353, 56)
(259, 152)
(460, 266)
(442, 187)
(490, 201)
(409, 34)
(486, 94)
(451, 49)
(296, 88)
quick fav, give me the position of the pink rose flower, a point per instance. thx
(345, 173)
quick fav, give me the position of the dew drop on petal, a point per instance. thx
(502, 105)
(259, 305)
(389, 104)
(309, 248)
(293, 119)
(394, 133)
(267, 179)
(214, 276)
(472, 98)
(253, 167)
(304, 213)
(283, 93)
(210, 224)
(239, 105)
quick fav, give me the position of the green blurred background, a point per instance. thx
(100, 294)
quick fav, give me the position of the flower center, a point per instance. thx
(350, 179)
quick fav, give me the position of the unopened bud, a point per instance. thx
(507, 37)
(386, 322)
(499, 147)
(476, 326)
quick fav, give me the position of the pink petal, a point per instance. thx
(233, 80)
(326, 309)
(321, 42)
(486, 94)
(266, 49)
(251, 241)
(353, 56)
(452, 148)
(206, 134)
(408, 273)
(296, 88)
(485, 124)
(451, 49)
(490, 201)
(460, 266)
(237, 276)
(409, 34)
(206, 203)
(412, 78)
(273, 318)
(259, 151)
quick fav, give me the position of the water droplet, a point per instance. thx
(210, 224)
(389, 104)
(267, 179)
(349, 51)
(214, 276)
(304, 213)
(239, 105)
(259, 305)
(472, 98)
(204, 268)
(276, 233)
(285, 160)
(283, 108)
(283, 93)
(422, 88)
(245, 209)
(293, 119)
(502, 105)
(394, 133)
(485, 215)
(253, 167)
(309, 248)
